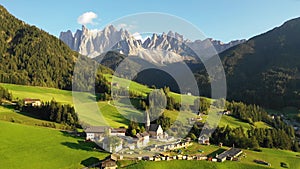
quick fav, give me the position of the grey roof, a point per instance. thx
(229, 153)
(96, 129)
(153, 127)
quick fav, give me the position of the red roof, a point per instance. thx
(31, 100)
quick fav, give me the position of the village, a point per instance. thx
(152, 145)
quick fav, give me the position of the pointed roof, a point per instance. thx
(153, 127)
(147, 119)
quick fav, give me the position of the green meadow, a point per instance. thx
(106, 113)
(272, 156)
(9, 114)
(41, 147)
(25, 146)
(43, 93)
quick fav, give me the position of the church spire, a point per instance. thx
(147, 123)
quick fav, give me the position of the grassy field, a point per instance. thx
(25, 146)
(273, 156)
(8, 114)
(40, 147)
(234, 123)
(184, 164)
(102, 113)
(43, 93)
(144, 90)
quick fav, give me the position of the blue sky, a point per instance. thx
(220, 19)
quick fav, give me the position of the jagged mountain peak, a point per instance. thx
(93, 43)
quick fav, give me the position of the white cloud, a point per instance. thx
(137, 36)
(87, 18)
(126, 26)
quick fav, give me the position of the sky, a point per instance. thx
(223, 20)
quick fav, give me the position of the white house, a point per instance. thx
(156, 131)
(117, 132)
(142, 139)
(204, 139)
(96, 133)
(32, 102)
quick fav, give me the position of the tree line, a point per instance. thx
(52, 111)
(254, 138)
(4, 94)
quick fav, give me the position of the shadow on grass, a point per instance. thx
(81, 145)
(90, 161)
(73, 134)
(219, 151)
(120, 119)
(12, 107)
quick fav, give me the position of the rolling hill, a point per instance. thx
(38, 147)
(31, 56)
(265, 69)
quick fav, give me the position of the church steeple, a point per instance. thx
(147, 122)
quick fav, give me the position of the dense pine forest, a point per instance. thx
(31, 56)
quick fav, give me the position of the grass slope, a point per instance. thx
(7, 114)
(234, 123)
(36, 147)
(273, 156)
(43, 93)
(108, 114)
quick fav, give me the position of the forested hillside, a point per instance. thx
(31, 56)
(265, 69)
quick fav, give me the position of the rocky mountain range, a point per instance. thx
(160, 48)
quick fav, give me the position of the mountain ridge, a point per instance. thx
(175, 46)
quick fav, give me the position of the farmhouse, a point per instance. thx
(200, 157)
(142, 139)
(204, 139)
(229, 154)
(97, 133)
(32, 102)
(117, 132)
(226, 112)
(109, 164)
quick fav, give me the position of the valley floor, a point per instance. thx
(26, 143)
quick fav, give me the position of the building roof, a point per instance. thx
(141, 135)
(108, 163)
(229, 153)
(203, 137)
(31, 100)
(118, 130)
(96, 129)
(153, 127)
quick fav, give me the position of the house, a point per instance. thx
(200, 157)
(226, 112)
(96, 133)
(32, 102)
(115, 84)
(108, 147)
(189, 158)
(117, 132)
(142, 139)
(179, 157)
(156, 131)
(204, 139)
(109, 164)
(229, 154)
